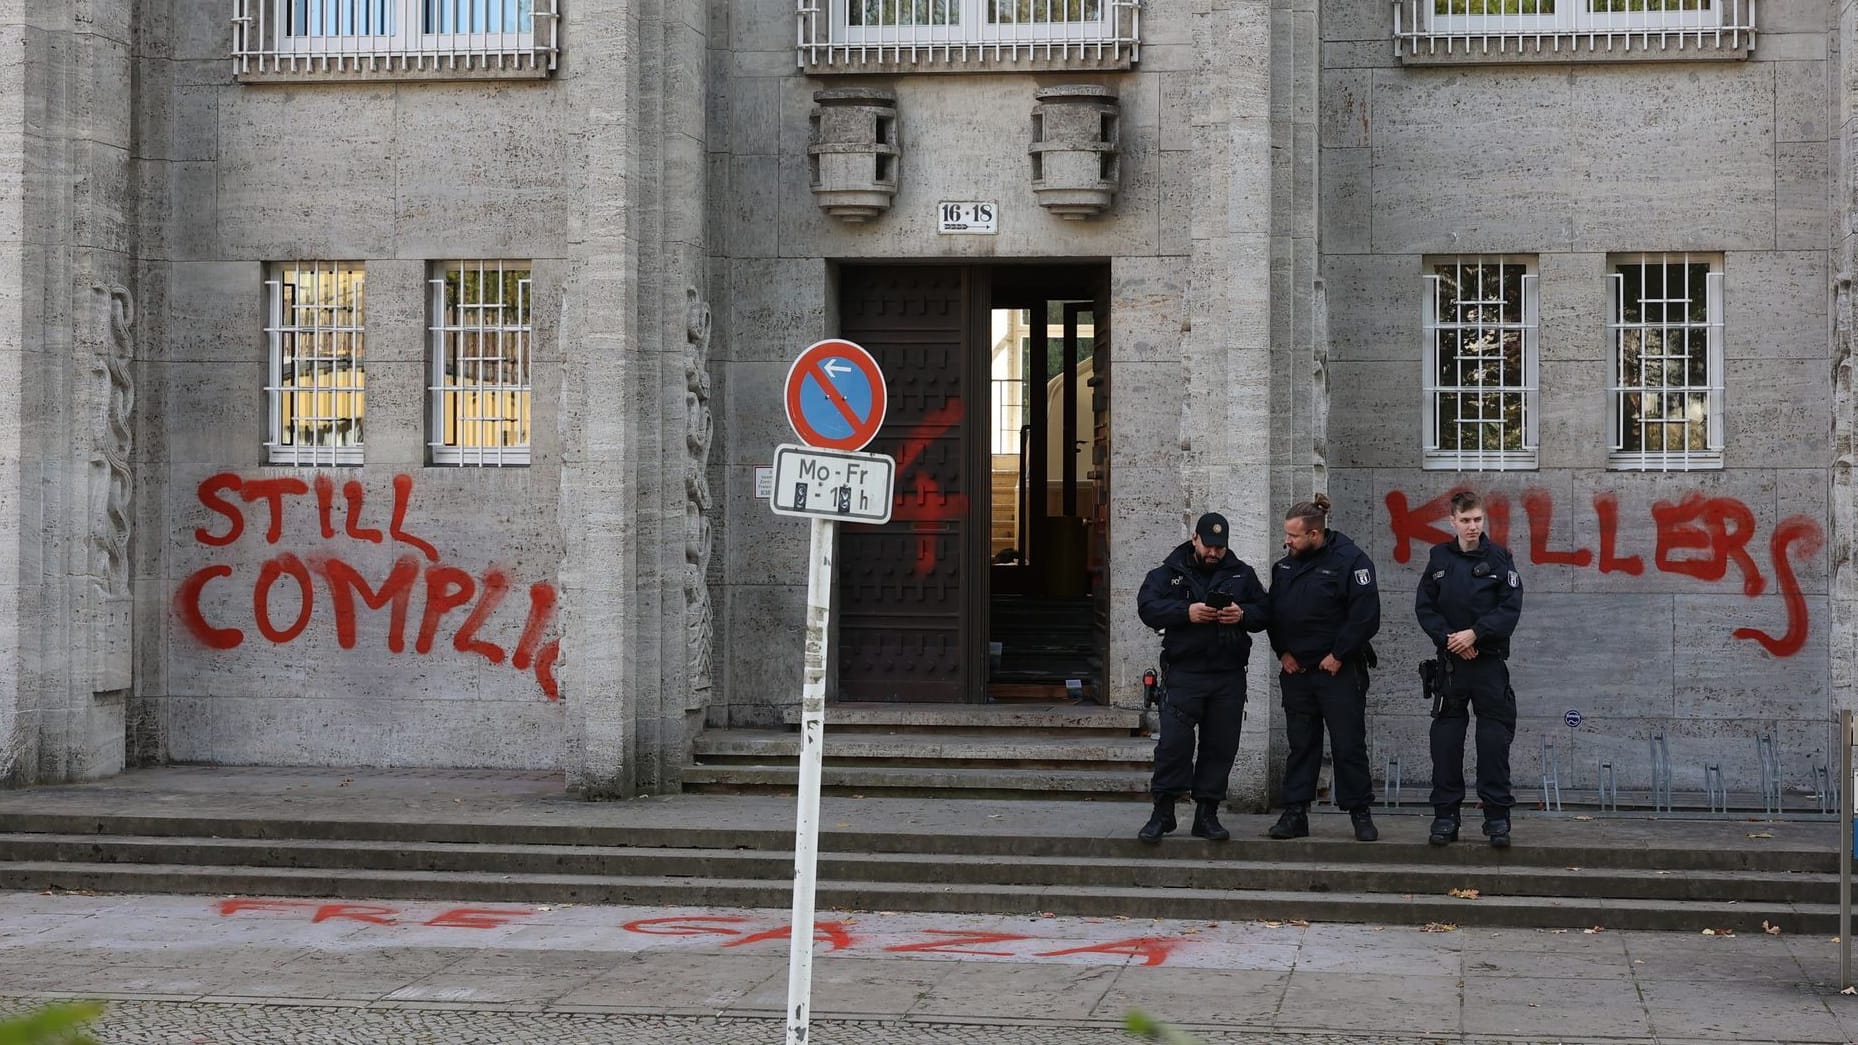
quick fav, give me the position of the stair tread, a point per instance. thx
(825, 885)
(969, 745)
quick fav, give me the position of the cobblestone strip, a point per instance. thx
(149, 1022)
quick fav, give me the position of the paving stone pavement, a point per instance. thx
(186, 970)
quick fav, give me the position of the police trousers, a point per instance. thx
(1212, 706)
(1481, 686)
(1314, 699)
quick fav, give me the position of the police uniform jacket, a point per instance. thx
(1477, 589)
(1179, 582)
(1329, 602)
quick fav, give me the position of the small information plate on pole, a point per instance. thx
(829, 484)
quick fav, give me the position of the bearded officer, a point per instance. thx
(1325, 607)
(1204, 600)
(1469, 601)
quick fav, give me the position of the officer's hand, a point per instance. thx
(1231, 615)
(1468, 654)
(1330, 664)
(1459, 641)
(1201, 613)
(1290, 665)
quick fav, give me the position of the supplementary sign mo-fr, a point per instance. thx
(826, 484)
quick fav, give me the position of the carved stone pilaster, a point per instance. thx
(112, 495)
(699, 431)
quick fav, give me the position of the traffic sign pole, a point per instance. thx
(812, 752)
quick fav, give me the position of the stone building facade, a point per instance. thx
(559, 258)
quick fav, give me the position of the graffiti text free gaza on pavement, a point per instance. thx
(447, 588)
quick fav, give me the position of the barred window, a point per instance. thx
(1667, 388)
(393, 39)
(317, 382)
(481, 363)
(1480, 348)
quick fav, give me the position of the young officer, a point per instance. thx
(1324, 606)
(1469, 601)
(1204, 599)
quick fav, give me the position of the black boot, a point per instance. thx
(1365, 831)
(1294, 823)
(1206, 822)
(1160, 822)
(1444, 827)
(1498, 831)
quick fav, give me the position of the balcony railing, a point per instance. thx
(1447, 30)
(861, 36)
(393, 39)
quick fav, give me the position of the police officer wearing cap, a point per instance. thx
(1469, 601)
(1325, 606)
(1204, 600)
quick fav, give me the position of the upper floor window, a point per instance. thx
(481, 363)
(1480, 387)
(393, 39)
(1666, 402)
(963, 35)
(316, 387)
(1691, 29)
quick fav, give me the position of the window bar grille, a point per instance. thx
(316, 383)
(1675, 403)
(385, 36)
(481, 417)
(1488, 326)
(1422, 29)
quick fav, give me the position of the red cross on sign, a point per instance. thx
(835, 396)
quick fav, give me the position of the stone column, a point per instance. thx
(1843, 496)
(66, 286)
(635, 337)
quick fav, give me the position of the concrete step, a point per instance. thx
(717, 746)
(938, 780)
(935, 895)
(1403, 841)
(1065, 719)
(1219, 868)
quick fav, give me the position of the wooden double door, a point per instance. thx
(917, 597)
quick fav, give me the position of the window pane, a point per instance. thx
(1038, 12)
(1494, 7)
(339, 18)
(318, 399)
(478, 16)
(1480, 402)
(1663, 345)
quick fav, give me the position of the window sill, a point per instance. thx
(1695, 462)
(262, 69)
(1505, 461)
(1022, 57)
(1575, 47)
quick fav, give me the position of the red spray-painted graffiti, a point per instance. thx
(924, 506)
(447, 588)
(1696, 536)
(738, 930)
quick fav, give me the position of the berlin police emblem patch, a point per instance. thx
(1515, 581)
(1362, 577)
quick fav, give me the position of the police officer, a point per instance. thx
(1469, 601)
(1203, 599)
(1324, 607)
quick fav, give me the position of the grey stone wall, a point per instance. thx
(1545, 162)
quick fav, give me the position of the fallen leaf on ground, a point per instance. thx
(1771, 930)
(1593, 931)
(1761, 834)
(1465, 894)
(1573, 868)
(1299, 923)
(1557, 932)
(1719, 932)
(1438, 927)
(1580, 816)
(1274, 925)
(1849, 990)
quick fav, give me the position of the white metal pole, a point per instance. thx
(812, 750)
(1846, 802)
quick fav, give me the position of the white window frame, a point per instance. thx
(1704, 458)
(1526, 383)
(971, 25)
(264, 42)
(333, 327)
(514, 340)
(1570, 16)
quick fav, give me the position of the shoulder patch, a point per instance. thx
(1364, 578)
(1176, 581)
(1515, 581)
(1436, 574)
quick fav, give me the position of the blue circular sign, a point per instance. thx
(1573, 718)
